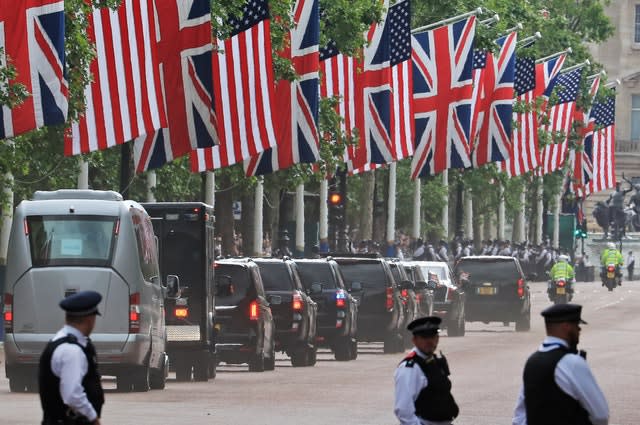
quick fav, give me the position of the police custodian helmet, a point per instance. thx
(83, 303)
(425, 326)
(563, 313)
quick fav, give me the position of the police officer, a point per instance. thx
(561, 270)
(558, 386)
(70, 388)
(611, 255)
(422, 385)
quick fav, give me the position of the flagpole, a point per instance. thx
(324, 216)
(576, 66)
(299, 211)
(258, 218)
(424, 28)
(492, 20)
(528, 41)
(518, 27)
(391, 211)
(612, 84)
(602, 74)
(568, 50)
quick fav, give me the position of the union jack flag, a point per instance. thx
(524, 155)
(442, 90)
(124, 100)
(580, 158)
(546, 72)
(561, 116)
(32, 37)
(494, 136)
(604, 165)
(243, 92)
(297, 131)
(384, 91)
(184, 52)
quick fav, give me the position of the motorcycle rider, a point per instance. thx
(561, 270)
(611, 255)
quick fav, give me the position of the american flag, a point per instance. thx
(296, 131)
(244, 91)
(604, 166)
(32, 35)
(494, 136)
(580, 158)
(124, 100)
(524, 155)
(384, 87)
(442, 60)
(561, 114)
(479, 97)
(184, 51)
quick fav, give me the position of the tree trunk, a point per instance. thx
(247, 223)
(224, 212)
(272, 215)
(366, 206)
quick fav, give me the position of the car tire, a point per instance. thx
(312, 355)
(17, 385)
(183, 371)
(299, 357)
(270, 362)
(124, 383)
(256, 363)
(523, 324)
(342, 349)
(158, 377)
(141, 379)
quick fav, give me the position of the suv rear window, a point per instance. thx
(316, 273)
(437, 270)
(489, 271)
(239, 279)
(371, 275)
(71, 240)
(275, 277)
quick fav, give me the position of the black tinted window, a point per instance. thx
(316, 273)
(489, 271)
(275, 277)
(233, 284)
(370, 275)
(395, 271)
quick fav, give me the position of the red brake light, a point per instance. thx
(340, 303)
(405, 293)
(561, 283)
(298, 303)
(389, 300)
(521, 288)
(611, 268)
(134, 313)
(26, 227)
(182, 312)
(116, 230)
(254, 312)
(7, 313)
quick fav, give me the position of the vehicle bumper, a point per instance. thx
(495, 311)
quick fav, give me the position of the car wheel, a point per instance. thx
(17, 385)
(183, 371)
(312, 355)
(270, 363)
(342, 349)
(141, 379)
(201, 368)
(158, 377)
(523, 324)
(256, 363)
(124, 383)
(299, 357)
(354, 348)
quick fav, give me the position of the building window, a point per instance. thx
(635, 117)
(637, 24)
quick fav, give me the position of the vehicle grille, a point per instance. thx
(183, 333)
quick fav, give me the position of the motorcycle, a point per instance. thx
(560, 291)
(611, 277)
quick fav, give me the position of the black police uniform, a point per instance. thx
(55, 411)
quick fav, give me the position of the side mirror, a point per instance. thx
(173, 286)
(274, 299)
(316, 288)
(355, 286)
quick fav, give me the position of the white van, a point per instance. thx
(67, 241)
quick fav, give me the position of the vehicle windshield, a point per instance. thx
(316, 273)
(71, 240)
(488, 271)
(233, 282)
(275, 277)
(370, 275)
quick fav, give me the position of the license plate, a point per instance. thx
(610, 274)
(486, 290)
(560, 291)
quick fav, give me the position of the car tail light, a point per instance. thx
(611, 268)
(134, 313)
(116, 230)
(26, 227)
(254, 312)
(521, 288)
(405, 293)
(560, 283)
(298, 302)
(341, 299)
(389, 300)
(451, 293)
(7, 313)
(181, 312)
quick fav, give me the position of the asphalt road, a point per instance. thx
(486, 369)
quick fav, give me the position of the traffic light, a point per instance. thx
(581, 231)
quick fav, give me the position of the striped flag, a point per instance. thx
(604, 166)
(442, 61)
(32, 36)
(546, 72)
(244, 92)
(580, 157)
(524, 155)
(561, 114)
(124, 100)
(296, 125)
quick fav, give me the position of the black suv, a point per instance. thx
(449, 297)
(380, 310)
(244, 323)
(294, 313)
(409, 298)
(337, 309)
(423, 288)
(496, 290)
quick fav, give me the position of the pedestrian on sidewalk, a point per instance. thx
(631, 260)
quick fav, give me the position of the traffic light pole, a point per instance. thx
(342, 224)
